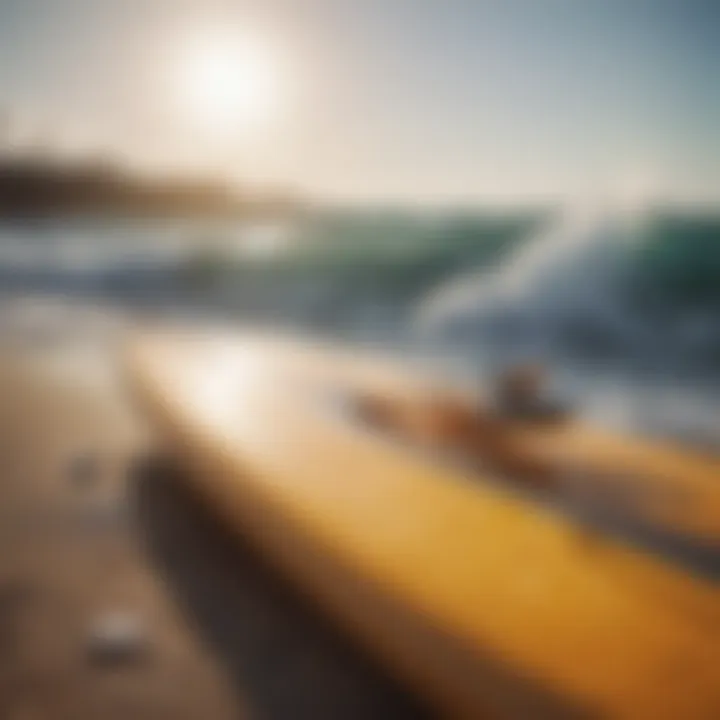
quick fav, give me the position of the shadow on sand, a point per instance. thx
(282, 656)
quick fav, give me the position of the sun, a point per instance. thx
(229, 85)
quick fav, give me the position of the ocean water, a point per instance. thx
(622, 307)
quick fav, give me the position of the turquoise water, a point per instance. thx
(624, 307)
(606, 288)
(640, 289)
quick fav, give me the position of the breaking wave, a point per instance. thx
(633, 287)
(640, 287)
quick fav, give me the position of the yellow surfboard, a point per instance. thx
(490, 601)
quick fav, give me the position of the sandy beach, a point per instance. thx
(90, 527)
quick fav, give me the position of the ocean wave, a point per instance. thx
(640, 286)
(643, 287)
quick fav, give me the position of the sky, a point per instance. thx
(385, 99)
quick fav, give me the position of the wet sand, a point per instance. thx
(88, 525)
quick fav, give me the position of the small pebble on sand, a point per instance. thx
(117, 637)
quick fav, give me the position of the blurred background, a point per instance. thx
(495, 179)
(479, 182)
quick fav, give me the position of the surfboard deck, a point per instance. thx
(489, 603)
